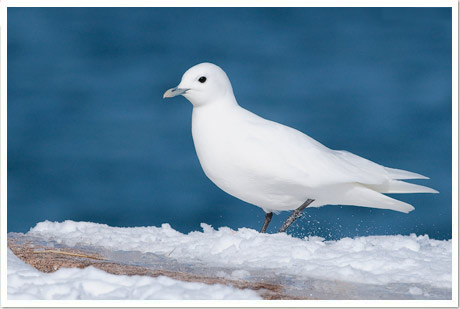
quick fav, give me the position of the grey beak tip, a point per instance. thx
(169, 93)
(174, 92)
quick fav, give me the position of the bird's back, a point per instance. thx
(266, 163)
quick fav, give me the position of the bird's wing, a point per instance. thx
(313, 164)
(391, 176)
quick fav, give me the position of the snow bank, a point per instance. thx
(372, 260)
(25, 282)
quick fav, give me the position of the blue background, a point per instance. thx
(90, 137)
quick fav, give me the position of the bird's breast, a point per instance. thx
(219, 144)
(231, 158)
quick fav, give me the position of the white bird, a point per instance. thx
(276, 167)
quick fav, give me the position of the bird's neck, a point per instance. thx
(219, 102)
(218, 111)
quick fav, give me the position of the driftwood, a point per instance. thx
(49, 256)
(47, 259)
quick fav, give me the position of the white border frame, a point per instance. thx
(4, 4)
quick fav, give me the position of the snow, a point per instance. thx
(371, 259)
(27, 283)
(413, 266)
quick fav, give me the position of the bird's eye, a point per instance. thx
(202, 79)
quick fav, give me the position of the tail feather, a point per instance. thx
(361, 195)
(402, 174)
(396, 186)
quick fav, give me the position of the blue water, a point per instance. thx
(90, 137)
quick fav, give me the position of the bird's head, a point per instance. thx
(202, 84)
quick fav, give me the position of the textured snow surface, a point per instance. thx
(371, 259)
(25, 282)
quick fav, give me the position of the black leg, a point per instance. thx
(268, 218)
(295, 215)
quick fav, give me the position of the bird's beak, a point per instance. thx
(174, 92)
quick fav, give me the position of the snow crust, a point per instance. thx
(372, 259)
(27, 283)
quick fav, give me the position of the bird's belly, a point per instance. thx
(269, 194)
(240, 165)
(246, 178)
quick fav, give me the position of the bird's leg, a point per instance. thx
(295, 215)
(268, 218)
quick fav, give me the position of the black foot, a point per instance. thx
(268, 218)
(295, 215)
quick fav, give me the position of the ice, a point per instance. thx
(415, 290)
(372, 267)
(25, 282)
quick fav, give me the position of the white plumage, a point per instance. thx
(276, 167)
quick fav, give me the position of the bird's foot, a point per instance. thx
(268, 218)
(294, 216)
